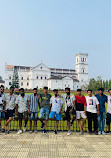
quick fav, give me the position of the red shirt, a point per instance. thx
(80, 102)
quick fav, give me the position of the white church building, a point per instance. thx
(41, 75)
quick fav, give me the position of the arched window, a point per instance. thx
(83, 70)
(37, 77)
(41, 77)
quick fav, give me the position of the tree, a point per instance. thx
(92, 83)
(106, 85)
(109, 84)
(98, 82)
(95, 84)
(15, 80)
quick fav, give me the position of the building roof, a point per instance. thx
(55, 78)
(18, 67)
(61, 69)
(82, 54)
(29, 67)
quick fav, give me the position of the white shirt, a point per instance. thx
(109, 105)
(10, 101)
(91, 104)
(56, 104)
(68, 101)
(22, 103)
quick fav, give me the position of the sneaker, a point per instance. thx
(89, 133)
(99, 133)
(44, 131)
(7, 132)
(96, 132)
(68, 133)
(19, 132)
(43, 124)
(55, 131)
(30, 132)
(81, 133)
(103, 133)
(35, 131)
(107, 132)
(3, 130)
(24, 129)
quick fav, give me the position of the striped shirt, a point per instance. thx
(33, 103)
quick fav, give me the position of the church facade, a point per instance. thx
(41, 75)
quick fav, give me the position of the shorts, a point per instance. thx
(33, 116)
(44, 111)
(22, 115)
(68, 114)
(108, 119)
(80, 114)
(9, 113)
(52, 115)
(2, 115)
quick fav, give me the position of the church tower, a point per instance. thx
(82, 69)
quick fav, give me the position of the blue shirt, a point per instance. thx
(33, 103)
(102, 100)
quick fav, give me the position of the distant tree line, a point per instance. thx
(95, 84)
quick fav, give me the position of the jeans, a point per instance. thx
(44, 111)
(92, 117)
(101, 119)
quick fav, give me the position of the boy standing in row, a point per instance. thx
(80, 109)
(56, 108)
(9, 108)
(108, 120)
(44, 108)
(92, 112)
(101, 117)
(34, 103)
(69, 100)
(22, 109)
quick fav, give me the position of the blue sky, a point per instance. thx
(54, 31)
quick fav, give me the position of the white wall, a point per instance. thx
(82, 69)
(54, 84)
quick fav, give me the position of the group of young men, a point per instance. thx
(75, 107)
